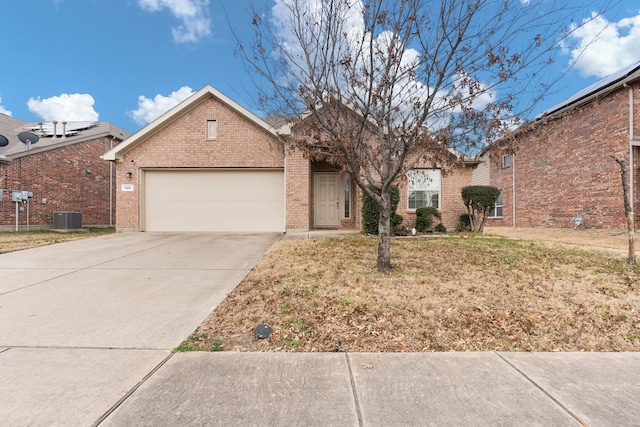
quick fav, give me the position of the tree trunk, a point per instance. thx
(384, 231)
(484, 219)
(472, 222)
(628, 209)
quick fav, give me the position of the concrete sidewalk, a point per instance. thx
(397, 389)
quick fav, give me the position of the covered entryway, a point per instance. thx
(245, 200)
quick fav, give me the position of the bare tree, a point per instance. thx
(628, 208)
(377, 87)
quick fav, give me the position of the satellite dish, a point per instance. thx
(3, 141)
(28, 138)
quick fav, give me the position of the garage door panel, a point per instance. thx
(248, 200)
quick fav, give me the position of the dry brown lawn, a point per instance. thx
(15, 241)
(460, 293)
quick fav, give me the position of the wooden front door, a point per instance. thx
(327, 199)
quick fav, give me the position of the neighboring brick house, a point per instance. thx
(209, 164)
(61, 172)
(563, 167)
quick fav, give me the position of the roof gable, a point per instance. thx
(208, 91)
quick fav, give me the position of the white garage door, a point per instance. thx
(220, 200)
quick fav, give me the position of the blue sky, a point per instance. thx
(127, 61)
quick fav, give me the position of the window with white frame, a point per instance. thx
(423, 188)
(347, 197)
(497, 210)
(506, 160)
(212, 130)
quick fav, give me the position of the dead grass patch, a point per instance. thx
(11, 241)
(448, 294)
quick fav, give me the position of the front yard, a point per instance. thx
(454, 293)
(460, 293)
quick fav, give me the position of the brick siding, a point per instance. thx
(298, 187)
(566, 167)
(451, 204)
(183, 143)
(60, 176)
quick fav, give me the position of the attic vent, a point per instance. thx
(212, 130)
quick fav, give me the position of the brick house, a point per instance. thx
(61, 172)
(209, 164)
(562, 167)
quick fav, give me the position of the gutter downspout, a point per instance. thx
(111, 185)
(513, 188)
(631, 140)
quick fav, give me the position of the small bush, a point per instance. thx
(396, 220)
(464, 222)
(479, 200)
(425, 217)
(371, 214)
(440, 228)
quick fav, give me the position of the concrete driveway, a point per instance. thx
(83, 322)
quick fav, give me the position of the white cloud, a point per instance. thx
(150, 109)
(194, 15)
(408, 90)
(4, 110)
(599, 47)
(69, 107)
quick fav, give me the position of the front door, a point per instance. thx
(327, 199)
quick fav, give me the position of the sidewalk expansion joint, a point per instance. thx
(354, 391)
(67, 273)
(130, 392)
(545, 392)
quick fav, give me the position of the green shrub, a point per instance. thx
(425, 217)
(371, 214)
(479, 200)
(464, 222)
(396, 220)
(440, 228)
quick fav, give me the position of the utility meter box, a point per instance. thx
(16, 196)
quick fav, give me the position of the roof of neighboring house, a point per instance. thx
(596, 90)
(51, 135)
(207, 91)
